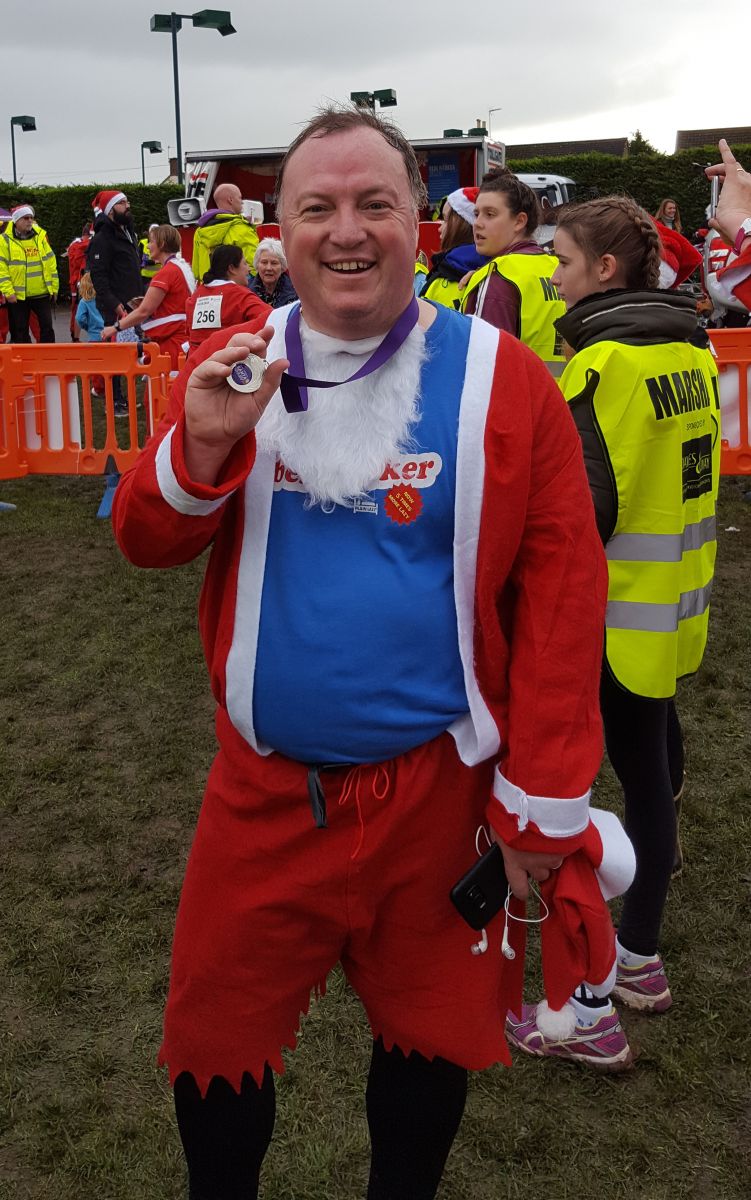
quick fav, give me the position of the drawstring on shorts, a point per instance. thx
(350, 788)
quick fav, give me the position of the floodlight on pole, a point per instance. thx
(153, 148)
(26, 125)
(385, 97)
(490, 114)
(207, 18)
(214, 18)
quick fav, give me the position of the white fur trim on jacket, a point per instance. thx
(240, 667)
(174, 494)
(552, 816)
(476, 735)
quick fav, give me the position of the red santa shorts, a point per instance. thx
(271, 903)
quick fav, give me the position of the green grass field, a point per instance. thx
(107, 735)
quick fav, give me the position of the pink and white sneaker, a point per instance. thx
(603, 1045)
(645, 987)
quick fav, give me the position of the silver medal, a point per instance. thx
(247, 375)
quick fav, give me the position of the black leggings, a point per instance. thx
(414, 1108)
(645, 747)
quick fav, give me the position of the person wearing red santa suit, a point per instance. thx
(223, 298)
(76, 256)
(733, 221)
(402, 617)
(162, 312)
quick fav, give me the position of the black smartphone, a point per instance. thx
(481, 893)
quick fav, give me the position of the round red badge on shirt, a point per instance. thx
(403, 504)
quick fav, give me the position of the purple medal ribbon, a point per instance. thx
(294, 385)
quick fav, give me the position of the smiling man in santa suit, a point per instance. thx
(402, 618)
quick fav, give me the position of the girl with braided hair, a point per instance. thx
(642, 389)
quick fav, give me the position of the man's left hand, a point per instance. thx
(523, 865)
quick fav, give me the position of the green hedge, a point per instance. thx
(63, 210)
(648, 176)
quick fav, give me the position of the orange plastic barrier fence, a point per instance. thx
(732, 348)
(51, 424)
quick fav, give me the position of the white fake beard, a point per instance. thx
(341, 445)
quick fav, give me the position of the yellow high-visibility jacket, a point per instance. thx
(649, 416)
(28, 268)
(224, 229)
(148, 267)
(539, 302)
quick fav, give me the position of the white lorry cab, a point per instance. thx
(555, 189)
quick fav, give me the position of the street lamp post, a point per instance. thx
(208, 18)
(490, 113)
(27, 125)
(153, 148)
(386, 97)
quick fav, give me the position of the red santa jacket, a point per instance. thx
(530, 584)
(235, 304)
(76, 253)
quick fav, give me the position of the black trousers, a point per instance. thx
(414, 1107)
(19, 315)
(645, 747)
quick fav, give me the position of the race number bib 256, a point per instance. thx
(207, 313)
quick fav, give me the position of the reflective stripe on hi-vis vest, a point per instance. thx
(539, 302)
(656, 411)
(28, 266)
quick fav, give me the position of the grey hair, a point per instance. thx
(271, 246)
(341, 119)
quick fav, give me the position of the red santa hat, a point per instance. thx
(104, 202)
(463, 202)
(21, 210)
(679, 258)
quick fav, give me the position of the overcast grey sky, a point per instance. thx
(99, 82)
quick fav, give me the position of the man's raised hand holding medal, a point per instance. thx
(225, 399)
